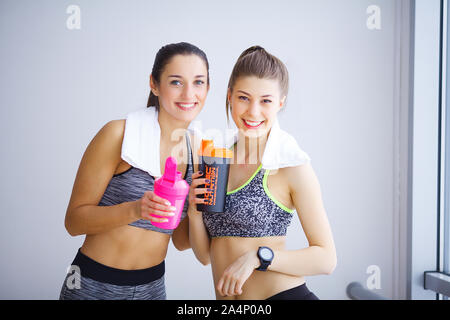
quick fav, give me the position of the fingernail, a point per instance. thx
(167, 203)
(207, 181)
(210, 189)
(173, 208)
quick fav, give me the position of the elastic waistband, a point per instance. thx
(295, 293)
(92, 269)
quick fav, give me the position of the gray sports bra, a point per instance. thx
(131, 185)
(250, 211)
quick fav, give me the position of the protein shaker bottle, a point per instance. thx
(174, 189)
(215, 165)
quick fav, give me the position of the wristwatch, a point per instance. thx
(265, 255)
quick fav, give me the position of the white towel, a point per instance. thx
(140, 146)
(281, 149)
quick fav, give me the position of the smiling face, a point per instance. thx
(254, 104)
(183, 87)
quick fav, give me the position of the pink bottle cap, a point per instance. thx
(171, 182)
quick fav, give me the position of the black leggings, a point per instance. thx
(298, 293)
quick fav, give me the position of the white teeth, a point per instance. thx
(187, 106)
(253, 123)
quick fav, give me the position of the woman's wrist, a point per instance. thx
(135, 211)
(192, 211)
(254, 260)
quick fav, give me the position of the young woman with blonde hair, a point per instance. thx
(246, 244)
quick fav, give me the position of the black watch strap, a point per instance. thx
(264, 260)
(263, 266)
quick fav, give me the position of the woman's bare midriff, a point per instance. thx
(261, 284)
(127, 248)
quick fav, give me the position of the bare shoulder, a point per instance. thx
(106, 146)
(300, 178)
(297, 171)
(114, 129)
(110, 135)
(98, 164)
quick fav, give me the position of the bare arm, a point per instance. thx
(180, 236)
(99, 162)
(198, 235)
(320, 256)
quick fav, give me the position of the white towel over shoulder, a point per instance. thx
(140, 146)
(282, 150)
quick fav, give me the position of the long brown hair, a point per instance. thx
(256, 61)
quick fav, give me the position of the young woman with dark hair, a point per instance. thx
(112, 200)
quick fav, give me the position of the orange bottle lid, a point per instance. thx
(222, 153)
(206, 148)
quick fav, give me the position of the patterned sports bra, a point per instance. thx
(132, 184)
(250, 211)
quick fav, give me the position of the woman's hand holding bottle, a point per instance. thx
(194, 191)
(150, 204)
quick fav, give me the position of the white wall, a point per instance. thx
(59, 86)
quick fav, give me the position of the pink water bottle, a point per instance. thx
(174, 189)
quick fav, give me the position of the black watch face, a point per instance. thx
(265, 253)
